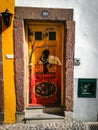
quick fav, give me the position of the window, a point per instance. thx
(52, 35)
(38, 35)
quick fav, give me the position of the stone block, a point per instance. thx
(20, 91)
(20, 117)
(19, 38)
(18, 23)
(19, 65)
(54, 14)
(68, 116)
(69, 63)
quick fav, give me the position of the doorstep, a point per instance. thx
(44, 113)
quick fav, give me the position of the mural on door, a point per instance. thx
(45, 61)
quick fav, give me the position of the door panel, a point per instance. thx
(45, 43)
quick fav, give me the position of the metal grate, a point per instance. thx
(93, 126)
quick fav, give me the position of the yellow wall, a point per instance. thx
(8, 65)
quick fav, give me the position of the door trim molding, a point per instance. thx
(24, 14)
(32, 13)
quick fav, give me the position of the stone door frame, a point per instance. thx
(25, 14)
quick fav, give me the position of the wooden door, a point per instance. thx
(45, 43)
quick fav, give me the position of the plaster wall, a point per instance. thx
(7, 69)
(85, 109)
(86, 40)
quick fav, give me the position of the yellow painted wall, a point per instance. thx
(8, 65)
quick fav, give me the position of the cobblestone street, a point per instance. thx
(45, 126)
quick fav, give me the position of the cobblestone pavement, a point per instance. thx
(45, 126)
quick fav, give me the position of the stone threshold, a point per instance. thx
(44, 113)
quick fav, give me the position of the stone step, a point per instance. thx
(44, 113)
(44, 121)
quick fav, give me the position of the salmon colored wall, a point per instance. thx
(8, 65)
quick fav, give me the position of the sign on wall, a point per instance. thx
(87, 88)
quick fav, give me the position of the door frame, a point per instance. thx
(25, 14)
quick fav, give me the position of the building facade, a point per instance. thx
(48, 59)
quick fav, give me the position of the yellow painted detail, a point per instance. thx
(8, 65)
(36, 47)
(9, 4)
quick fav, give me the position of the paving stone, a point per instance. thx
(45, 126)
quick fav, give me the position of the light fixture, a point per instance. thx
(7, 17)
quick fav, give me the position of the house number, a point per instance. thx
(44, 13)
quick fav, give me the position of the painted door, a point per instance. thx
(45, 43)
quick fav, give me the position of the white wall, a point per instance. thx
(86, 47)
(85, 109)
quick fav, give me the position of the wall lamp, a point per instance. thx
(7, 17)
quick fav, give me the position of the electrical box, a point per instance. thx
(87, 88)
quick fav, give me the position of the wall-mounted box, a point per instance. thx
(76, 61)
(87, 88)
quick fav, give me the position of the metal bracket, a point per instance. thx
(76, 61)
